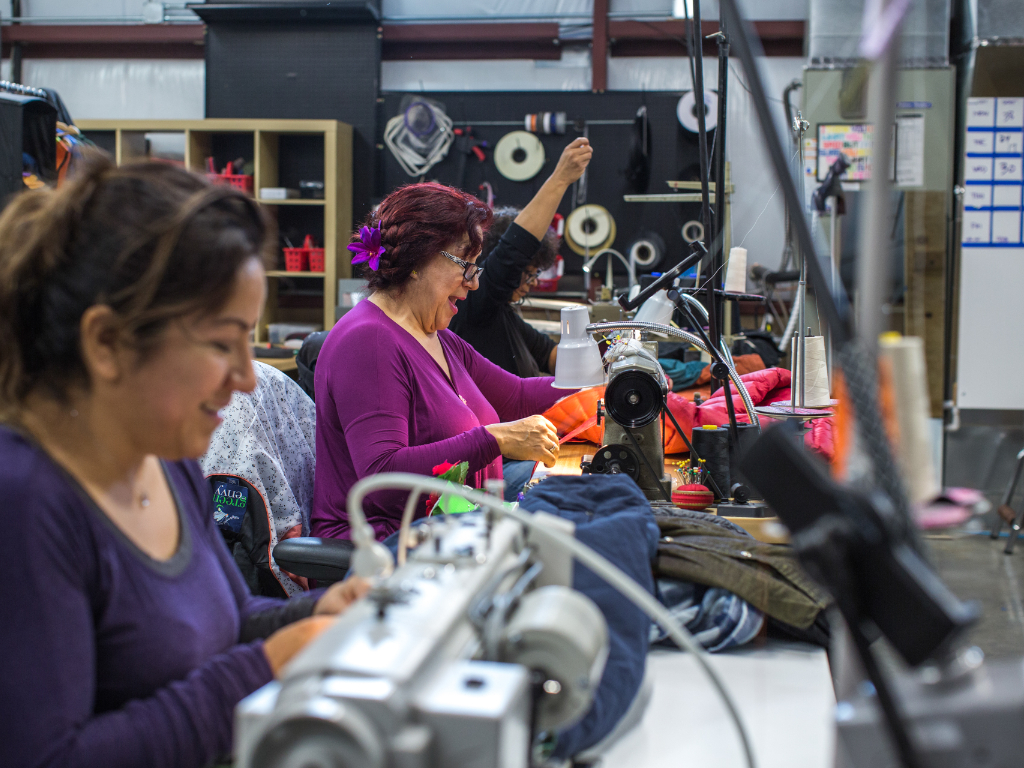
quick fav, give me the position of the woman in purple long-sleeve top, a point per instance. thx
(128, 635)
(396, 391)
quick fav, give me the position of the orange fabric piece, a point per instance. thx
(764, 386)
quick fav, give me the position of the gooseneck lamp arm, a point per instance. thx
(610, 252)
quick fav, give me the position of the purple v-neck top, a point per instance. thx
(383, 404)
(109, 657)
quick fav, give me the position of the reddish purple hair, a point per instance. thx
(418, 221)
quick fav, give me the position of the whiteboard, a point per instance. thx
(990, 362)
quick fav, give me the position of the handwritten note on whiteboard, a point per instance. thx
(993, 173)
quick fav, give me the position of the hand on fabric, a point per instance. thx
(533, 438)
(281, 646)
(573, 162)
(340, 596)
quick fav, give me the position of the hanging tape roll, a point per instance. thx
(692, 231)
(712, 444)
(904, 357)
(686, 111)
(589, 228)
(519, 156)
(545, 122)
(816, 393)
(736, 271)
(647, 250)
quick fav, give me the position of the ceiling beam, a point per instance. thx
(403, 42)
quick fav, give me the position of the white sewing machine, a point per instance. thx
(457, 659)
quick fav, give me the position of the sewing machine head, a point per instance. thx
(456, 659)
(632, 412)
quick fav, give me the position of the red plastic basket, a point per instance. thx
(236, 180)
(316, 259)
(297, 260)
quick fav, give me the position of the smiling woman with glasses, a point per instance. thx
(396, 391)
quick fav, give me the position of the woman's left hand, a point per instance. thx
(340, 596)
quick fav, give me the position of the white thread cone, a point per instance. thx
(816, 394)
(736, 271)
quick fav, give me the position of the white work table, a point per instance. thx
(785, 696)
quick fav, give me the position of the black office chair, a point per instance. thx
(246, 530)
(306, 360)
(323, 560)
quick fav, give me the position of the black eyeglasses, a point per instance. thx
(469, 271)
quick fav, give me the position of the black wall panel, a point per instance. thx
(300, 70)
(674, 155)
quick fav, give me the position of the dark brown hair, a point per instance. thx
(503, 218)
(417, 222)
(149, 240)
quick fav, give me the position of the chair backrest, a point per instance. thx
(306, 360)
(268, 441)
(243, 516)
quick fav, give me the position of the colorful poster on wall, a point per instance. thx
(854, 141)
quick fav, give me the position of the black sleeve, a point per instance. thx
(503, 267)
(263, 624)
(539, 344)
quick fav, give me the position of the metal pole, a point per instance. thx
(835, 251)
(705, 190)
(801, 345)
(873, 260)
(16, 52)
(720, 183)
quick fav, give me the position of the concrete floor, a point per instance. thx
(975, 568)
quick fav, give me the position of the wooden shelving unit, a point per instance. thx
(276, 148)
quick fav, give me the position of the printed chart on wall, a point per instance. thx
(992, 173)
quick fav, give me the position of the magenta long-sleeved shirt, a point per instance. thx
(383, 404)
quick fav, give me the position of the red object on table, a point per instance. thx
(693, 496)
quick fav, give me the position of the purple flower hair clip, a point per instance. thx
(369, 249)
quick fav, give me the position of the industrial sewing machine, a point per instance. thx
(633, 412)
(471, 647)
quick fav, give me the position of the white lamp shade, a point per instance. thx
(578, 364)
(657, 309)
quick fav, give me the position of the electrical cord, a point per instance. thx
(416, 161)
(586, 556)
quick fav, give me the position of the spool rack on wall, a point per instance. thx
(609, 117)
(283, 152)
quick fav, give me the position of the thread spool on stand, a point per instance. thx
(711, 443)
(904, 364)
(815, 366)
